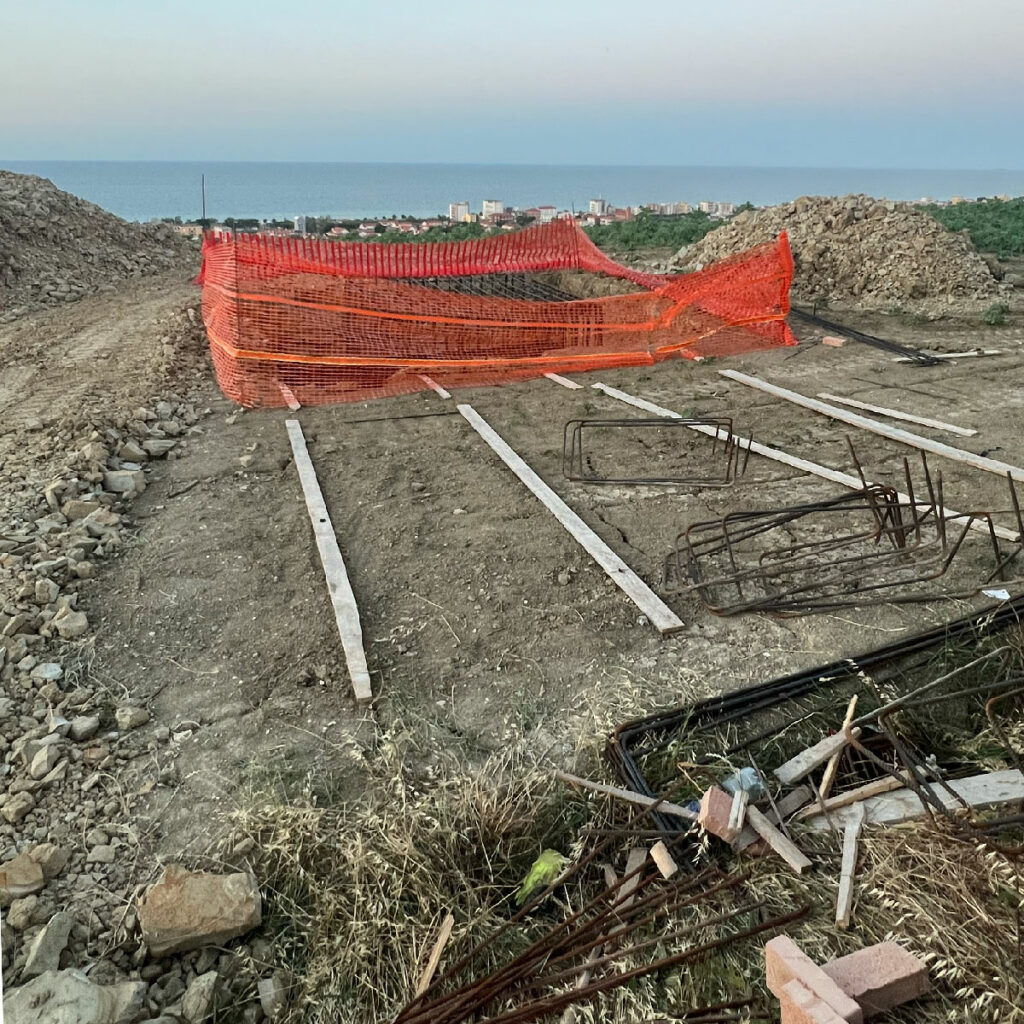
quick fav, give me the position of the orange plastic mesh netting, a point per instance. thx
(349, 321)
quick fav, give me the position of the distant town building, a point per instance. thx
(717, 209)
(546, 214)
(300, 224)
(673, 209)
(597, 207)
(492, 208)
(458, 212)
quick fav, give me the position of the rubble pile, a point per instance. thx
(55, 247)
(858, 250)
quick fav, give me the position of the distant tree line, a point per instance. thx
(995, 225)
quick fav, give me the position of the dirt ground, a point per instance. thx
(483, 619)
(484, 622)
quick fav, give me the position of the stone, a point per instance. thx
(132, 451)
(44, 762)
(832, 341)
(17, 806)
(51, 858)
(78, 509)
(22, 913)
(880, 977)
(45, 949)
(129, 717)
(786, 962)
(158, 447)
(273, 993)
(101, 855)
(124, 481)
(190, 909)
(84, 727)
(71, 625)
(46, 592)
(69, 997)
(47, 672)
(19, 877)
(200, 1000)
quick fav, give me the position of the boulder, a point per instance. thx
(69, 997)
(19, 877)
(190, 909)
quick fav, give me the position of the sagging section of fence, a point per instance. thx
(344, 321)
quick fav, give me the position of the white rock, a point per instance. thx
(200, 1000)
(45, 949)
(44, 761)
(84, 727)
(129, 717)
(68, 997)
(72, 625)
(273, 993)
(47, 672)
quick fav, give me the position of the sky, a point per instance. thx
(788, 83)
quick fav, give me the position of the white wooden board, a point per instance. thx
(658, 613)
(346, 611)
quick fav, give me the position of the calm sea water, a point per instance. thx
(143, 190)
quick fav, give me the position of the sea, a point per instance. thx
(146, 190)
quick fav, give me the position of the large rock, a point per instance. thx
(68, 997)
(45, 949)
(190, 909)
(19, 877)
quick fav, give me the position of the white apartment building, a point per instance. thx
(492, 208)
(458, 212)
(547, 213)
(300, 225)
(597, 207)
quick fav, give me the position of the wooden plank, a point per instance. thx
(346, 611)
(564, 381)
(786, 849)
(807, 760)
(925, 444)
(896, 414)
(844, 901)
(658, 613)
(852, 796)
(829, 775)
(434, 386)
(627, 794)
(974, 354)
(289, 397)
(854, 483)
(634, 861)
(435, 955)
(665, 861)
(569, 1013)
(791, 802)
(979, 792)
(738, 813)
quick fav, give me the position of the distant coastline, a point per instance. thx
(147, 190)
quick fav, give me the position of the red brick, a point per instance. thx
(880, 977)
(832, 341)
(801, 1006)
(784, 962)
(715, 808)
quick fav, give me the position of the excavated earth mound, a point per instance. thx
(858, 250)
(55, 247)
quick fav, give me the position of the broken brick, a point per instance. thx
(715, 809)
(784, 962)
(801, 1006)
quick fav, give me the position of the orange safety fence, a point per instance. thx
(350, 321)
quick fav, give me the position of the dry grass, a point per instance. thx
(355, 893)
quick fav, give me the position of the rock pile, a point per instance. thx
(55, 247)
(858, 250)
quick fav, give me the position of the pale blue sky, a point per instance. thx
(870, 83)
